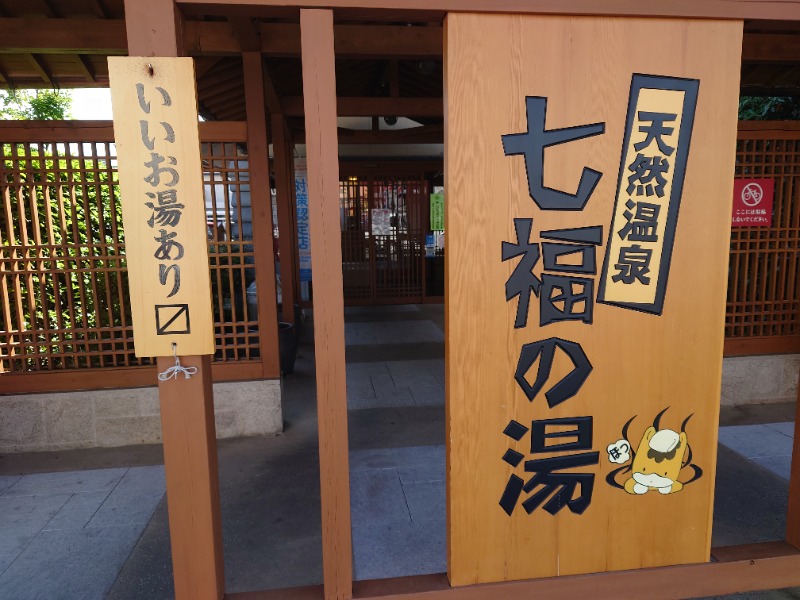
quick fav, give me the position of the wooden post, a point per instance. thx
(284, 187)
(319, 90)
(187, 406)
(258, 157)
(793, 515)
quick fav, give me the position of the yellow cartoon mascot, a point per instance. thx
(658, 462)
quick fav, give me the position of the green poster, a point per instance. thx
(437, 212)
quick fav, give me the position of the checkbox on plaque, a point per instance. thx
(172, 319)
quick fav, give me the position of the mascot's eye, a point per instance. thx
(665, 473)
(644, 469)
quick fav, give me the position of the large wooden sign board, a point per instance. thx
(589, 170)
(163, 208)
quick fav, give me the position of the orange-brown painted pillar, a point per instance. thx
(187, 405)
(319, 99)
(258, 157)
(793, 516)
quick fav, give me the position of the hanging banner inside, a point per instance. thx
(303, 231)
(381, 221)
(437, 212)
(587, 275)
(752, 202)
(163, 211)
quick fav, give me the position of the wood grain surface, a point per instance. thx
(176, 76)
(319, 87)
(642, 363)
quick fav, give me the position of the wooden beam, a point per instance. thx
(756, 571)
(213, 80)
(700, 9)
(154, 28)
(770, 47)
(187, 406)
(49, 10)
(271, 94)
(377, 41)
(41, 68)
(284, 188)
(429, 134)
(209, 38)
(793, 515)
(86, 68)
(319, 89)
(283, 39)
(190, 463)
(788, 344)
(261, 202)
(224, 93)
(101, 379)
(394, 78)
(107, 36)
(100, 9)
(369, 106)
(204, 65)
(246, 32)
(777, 90)
(63, 36)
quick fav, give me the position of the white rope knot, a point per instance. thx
(177, 368)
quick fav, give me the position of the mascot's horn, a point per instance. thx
(657, 420)
(683, 425)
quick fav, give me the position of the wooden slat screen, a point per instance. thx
(383, 268)
(763, 308)
(63, 283)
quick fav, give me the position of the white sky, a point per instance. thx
(91, 104)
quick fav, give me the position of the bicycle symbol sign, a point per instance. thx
(752, 194)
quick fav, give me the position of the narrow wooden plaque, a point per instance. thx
(163, 208)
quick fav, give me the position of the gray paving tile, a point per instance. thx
(68, 482)
(385, 309)
(69, 564)
(438, 369)
(405, 457)
(7, 481)
(359, 386)
(426, 500)
(376, 496)
(5, 561)
(754, 441)
(383, 385)
(288, 563)
(387, 332)
(428, 395)
(78, 511)
(133, 500)
(399, 549)
(400, 397)
(784, 428)
(407, 332)
(22, 517)
(419, 474)
(780, 465)
(365, 369)
(407, 373)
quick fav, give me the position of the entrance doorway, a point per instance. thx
(389, 253)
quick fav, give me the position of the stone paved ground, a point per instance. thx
(68, 534)
(102, 533)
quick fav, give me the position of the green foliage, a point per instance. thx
(65, 230)
(769, 108)
(35, 105)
